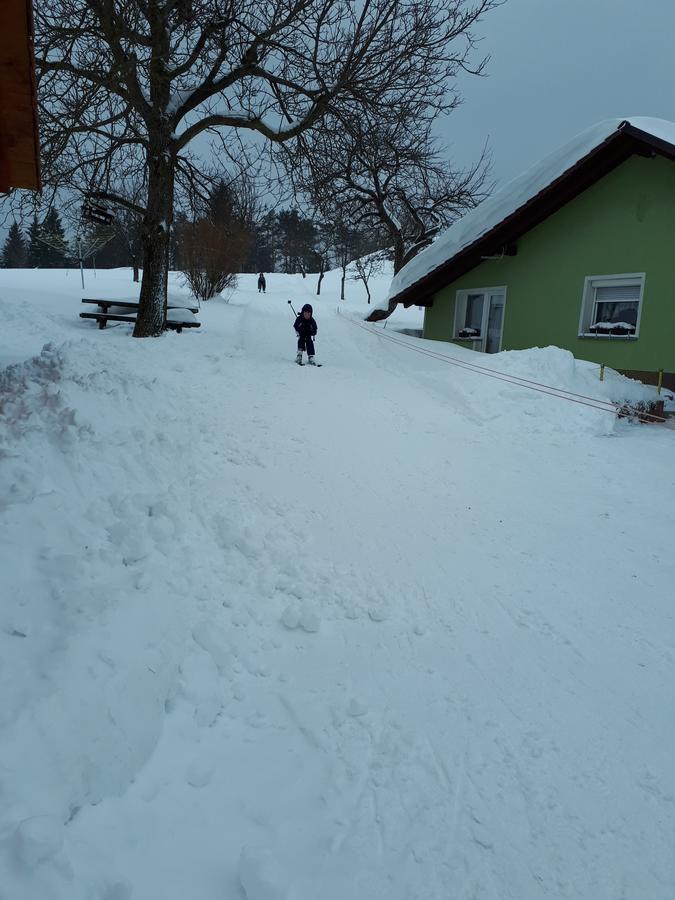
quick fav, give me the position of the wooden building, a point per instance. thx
(19, 144)
(576, 253)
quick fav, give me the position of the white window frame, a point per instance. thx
(460, 304)
(588, 300)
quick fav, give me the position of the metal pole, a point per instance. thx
(166, 274)
(79, 253)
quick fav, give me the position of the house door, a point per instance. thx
(495, 323)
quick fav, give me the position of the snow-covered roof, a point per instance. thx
(513, 196)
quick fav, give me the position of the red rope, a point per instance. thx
(561, 393)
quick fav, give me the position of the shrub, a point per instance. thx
(210, 255)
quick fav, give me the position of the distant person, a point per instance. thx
(306, 329)
(261, 283)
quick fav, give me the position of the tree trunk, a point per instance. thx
(155, 240)
(342, 283)
(135, 265)
(321, 273)
(399, 253)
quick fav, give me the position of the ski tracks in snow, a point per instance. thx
(353, 716)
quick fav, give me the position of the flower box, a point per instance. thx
(621, 329)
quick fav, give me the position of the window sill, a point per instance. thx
(589, 335)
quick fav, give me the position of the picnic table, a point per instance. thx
(180, 314)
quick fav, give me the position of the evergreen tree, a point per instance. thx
(261, 252)
(14, 252)
(297, 240)
(222, 204)
(47, 245)
(56, 254)
(36, 248)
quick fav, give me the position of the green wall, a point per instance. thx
(623, 223)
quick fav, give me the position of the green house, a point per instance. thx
(578, 252)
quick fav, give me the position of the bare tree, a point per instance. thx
(210, 257)
(388, 175)
(367, 266)
(140, 80)
(213, 246)
(325, 242)
(346, 244)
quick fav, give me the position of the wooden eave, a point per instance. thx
(19, 144)
(623, 143)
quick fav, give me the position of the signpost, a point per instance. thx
(96, 213)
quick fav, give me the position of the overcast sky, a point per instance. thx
(557, 67)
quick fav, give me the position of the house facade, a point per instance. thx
(586, 263)
(19, 145)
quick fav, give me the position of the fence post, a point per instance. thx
(660, 381)
(602, 372)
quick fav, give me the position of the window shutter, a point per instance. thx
(617, 293)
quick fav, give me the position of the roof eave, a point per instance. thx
(626, 141)
(33, 79)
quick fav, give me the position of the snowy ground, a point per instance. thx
(386, 630)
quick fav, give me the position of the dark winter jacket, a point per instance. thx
(261, 282)
(305, 327)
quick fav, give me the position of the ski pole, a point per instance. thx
(290, 303)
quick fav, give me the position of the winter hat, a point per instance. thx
(307, 308)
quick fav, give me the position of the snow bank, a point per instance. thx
(381, 630)
(551, 390)
(560, 369)
(89, 638)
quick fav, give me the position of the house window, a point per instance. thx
(611, 306)
(479, 318)
(471, 323)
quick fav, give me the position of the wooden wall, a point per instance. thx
(19, 148)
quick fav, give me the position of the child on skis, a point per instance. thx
(306, 329)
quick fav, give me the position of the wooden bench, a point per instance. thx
(104, 305)
(104, 317)
(177, 317)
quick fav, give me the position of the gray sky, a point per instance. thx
(557, 67)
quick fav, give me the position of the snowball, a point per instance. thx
(377, 613)
(199, 774)
(290, 618)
